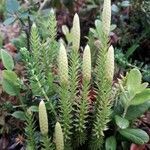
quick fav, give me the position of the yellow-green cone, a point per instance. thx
(59, 139)
(43, 120)
(110, 63)
(106, 16)
(75, 33)
(63, 64)
(87, 63)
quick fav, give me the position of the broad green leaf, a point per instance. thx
(111, 143)
(140, 98)
(137, 136)
(12, 6)
(136, 111)
(10, 82)
(121, 122)
(10, 75)
(142, 87)
(34, 108)
(7, 60)
(19, 115)
(10, 88)
(134, 79)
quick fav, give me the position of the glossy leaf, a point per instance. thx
(34, 108)
(134, 79)
(7, 60)
(142, 97)
(121, 122)
(10, 83)
(137, 136)
(19, 115)
(111, 143)
(142, 87)
(10, 88)
(11, 76)
(136, 111)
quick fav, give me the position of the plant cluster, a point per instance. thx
(61, 81)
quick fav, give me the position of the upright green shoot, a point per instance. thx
(104, 77)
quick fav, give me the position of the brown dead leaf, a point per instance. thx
(10, 47)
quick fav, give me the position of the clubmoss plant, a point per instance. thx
(73, 38)
(39, 62)
(65, 101)
(86, 66)
(30, 131)
(74, 57)
(106, 17)
(77, 121)
(59, 139)
(75, 33)
(104, 82)
(83, 103)
(43, 121)
(110, 63)
(63, 65)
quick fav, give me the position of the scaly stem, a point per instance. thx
(44, 94)
(82, 114)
